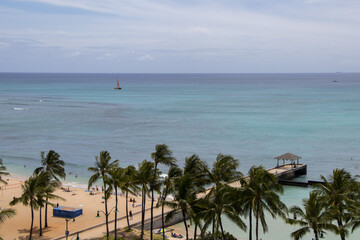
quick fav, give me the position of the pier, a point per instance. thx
(288, 171)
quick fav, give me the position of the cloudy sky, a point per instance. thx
(181, 36)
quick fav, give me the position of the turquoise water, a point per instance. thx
(254, 117)
(278, 230)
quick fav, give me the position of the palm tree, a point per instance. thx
(174, 172)
(144, 178)
(32, 190)
(184, 196)
(197, 216)
(116, 175)
(338, 194)
(129, 186)
(260, 194)
(313, 217)
(224, 170)
(3, 172)
(48, 189)
(220, 202)
(355, 221)
(101, 170)
(198, 170)
(40, 201)
(162, 155)
(118, 179)
(51, 164)
(6, 213)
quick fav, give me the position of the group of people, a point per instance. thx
(176, 235)
(133, 200)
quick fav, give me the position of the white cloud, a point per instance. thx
(4, 44)
(118, 30)
(77, 53)
(146, 57)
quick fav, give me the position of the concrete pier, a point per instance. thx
(288, 171)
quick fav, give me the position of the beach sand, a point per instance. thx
(18, 226)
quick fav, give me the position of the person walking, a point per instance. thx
(131, 215)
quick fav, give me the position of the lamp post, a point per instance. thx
(98, 212)
(67, 228)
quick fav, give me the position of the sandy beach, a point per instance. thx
(18, 226)
(89, 225)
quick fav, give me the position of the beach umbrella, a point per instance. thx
(161, 230)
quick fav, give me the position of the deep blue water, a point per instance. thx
(254, 117)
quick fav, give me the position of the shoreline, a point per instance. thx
(88, 224)
(95, 227)
(19, 225)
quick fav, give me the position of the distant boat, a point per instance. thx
(118, 85)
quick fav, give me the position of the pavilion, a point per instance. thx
(288, 157)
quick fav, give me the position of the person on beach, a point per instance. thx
(131, 216)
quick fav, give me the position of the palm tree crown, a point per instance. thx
(54, 168)
(313, 217)
(221, 202)
(101, 170)
(260, 190)
(3, 172)
(339, 195)
(144, 178)
(52, 164)
(162, 155)
(32, 192)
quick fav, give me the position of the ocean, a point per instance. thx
(254, 117)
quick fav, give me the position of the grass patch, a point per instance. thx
(132, 234)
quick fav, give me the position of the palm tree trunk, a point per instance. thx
(40, 223)
(250, 224)
(339, 222)
(106, 212)
(127, 210)
(316, 234)
(222, 229)
(152, 203)
(186, 227)
(162, 219)
(32, 222)
(195, 230)
(116, 210)
(162, 211)
(257, 226)
(213, 227)
(142, 213)
(46, 208)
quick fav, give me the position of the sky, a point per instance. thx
(180, 36)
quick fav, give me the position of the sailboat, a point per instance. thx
(118, 85)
